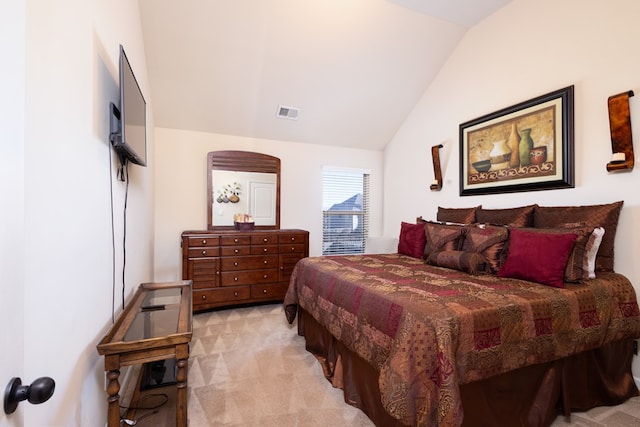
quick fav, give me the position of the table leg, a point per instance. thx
(181, 397)
(113, 388)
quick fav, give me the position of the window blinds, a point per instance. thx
(345, 207)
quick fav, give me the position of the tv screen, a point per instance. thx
(130, 139)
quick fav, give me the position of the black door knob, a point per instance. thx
(38, 392)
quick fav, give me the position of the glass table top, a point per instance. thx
(158, 315)
(162, 296)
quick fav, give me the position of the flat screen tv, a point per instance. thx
(128, 133)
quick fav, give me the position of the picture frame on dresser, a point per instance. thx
(528, 146)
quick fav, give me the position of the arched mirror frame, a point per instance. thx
(241, 161)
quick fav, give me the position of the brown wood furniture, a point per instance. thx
(239, 267)
(156, 324)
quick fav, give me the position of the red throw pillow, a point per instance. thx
(538, 257)
(412, 239)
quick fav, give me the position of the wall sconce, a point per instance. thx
(38, 392)
(621, 138)
(435, 154)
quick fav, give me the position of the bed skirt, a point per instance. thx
(530, 396)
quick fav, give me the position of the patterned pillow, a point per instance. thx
(489, 241)
(457, 215)
(442, 237)
(605, 216)
(469, 262)
(514, 217)
(412, 239)
(537, 257)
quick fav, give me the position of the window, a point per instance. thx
(345, 211)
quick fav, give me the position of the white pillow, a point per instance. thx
(590, 251)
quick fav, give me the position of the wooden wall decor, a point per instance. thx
(621, 139)
(435, 154)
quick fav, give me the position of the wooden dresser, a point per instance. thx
(239, 267)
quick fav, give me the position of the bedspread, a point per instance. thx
(428, 329)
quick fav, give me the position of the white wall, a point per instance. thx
(71, 76)
(181, 187)
(12, 46)
(65, 266)
(528, 48)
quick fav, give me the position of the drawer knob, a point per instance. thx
(235, 264)
(264, 291)
(236, 251)
(235, 240)
(235, 279)
(265, 276)
(265, 240)
(204, 252)
(204, 297)
(266, 262)
(293, 249)
(218, 272)
(265, 250)
(204, 241)
(235, 294)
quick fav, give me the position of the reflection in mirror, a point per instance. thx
(241, 182)
(251, 193)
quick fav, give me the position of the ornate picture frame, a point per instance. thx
(525, 147)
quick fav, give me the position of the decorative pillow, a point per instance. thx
(589, 261)
(469, 262)
(412, 239)
(538, 257)
(489, 241)
(457, 215)
(574, 270)
(605, 216)
(442, 237)
(514, 217)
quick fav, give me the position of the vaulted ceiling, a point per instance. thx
(353, 68)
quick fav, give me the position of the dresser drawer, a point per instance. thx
(296, 248)
(254, 262)
(264, 239)
(235, 250)
(235, 240)
(291, 238)
(233, 278)
(203, 241)
(271, 291)
(264, 249)
(230, 294)
(203, 252)
(287, 263)
(204, 272)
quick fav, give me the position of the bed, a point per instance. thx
(466, 327)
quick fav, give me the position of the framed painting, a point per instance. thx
(525, 147)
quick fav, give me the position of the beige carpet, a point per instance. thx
(248, 367)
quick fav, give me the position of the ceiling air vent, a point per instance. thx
(290, 113)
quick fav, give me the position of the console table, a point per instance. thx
(156, 324)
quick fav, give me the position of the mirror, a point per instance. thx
(242, 182)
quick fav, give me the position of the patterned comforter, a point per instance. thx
(428, 329)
